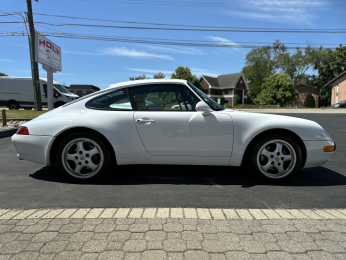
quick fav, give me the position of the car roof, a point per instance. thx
(146, 81)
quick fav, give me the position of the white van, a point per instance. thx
(18, 93)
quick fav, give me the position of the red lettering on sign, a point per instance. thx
(43, 42)
(49, 45)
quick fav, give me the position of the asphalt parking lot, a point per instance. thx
(29, 185)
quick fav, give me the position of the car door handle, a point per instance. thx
(145, 121)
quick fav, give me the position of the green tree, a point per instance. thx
(277, 89)
(185, 73)
(296, 64)
(139, 77)
(309, 101)
(329, 64)
(259, 65)
(3, 74)
(159, 75)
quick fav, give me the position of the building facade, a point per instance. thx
(338, 85)
(82, 90)
(230, 88)
(303, 93)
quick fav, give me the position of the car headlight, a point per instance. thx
(337, 105)
(70, 98)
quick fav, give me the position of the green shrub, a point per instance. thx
(309, 101)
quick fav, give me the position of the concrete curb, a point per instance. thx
(8, 133)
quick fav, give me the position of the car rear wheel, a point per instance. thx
(13, 105)
(83, 157)
(276, 158)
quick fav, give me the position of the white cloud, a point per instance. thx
(133, 53)
(280, 11)
(166, 72)
(7, 60)
(183, 50)
(223, 41)
(198, 72)
(123, 51)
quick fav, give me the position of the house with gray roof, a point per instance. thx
(230, 88)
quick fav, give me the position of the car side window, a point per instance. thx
(117, 100)
(158, 97)
(190, 99)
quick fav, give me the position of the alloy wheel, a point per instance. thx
(82, 158)
(276, 159)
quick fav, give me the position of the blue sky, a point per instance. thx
(102, 63)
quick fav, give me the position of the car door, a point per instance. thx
(168, 124)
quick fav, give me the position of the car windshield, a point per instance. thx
(61, 89)
(206, 98)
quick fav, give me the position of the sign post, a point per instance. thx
(49, 55)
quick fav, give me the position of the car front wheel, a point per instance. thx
(83, 157)
(276, 158)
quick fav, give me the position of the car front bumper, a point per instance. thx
(33, 148)
(315, 153)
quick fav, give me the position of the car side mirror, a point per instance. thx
(204, 108)
(56, 94)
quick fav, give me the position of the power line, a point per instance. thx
(142, 40)
(204, 4)
(198, 30)
(165, 24)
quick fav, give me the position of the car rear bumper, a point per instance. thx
(315, 153)
(33, 148)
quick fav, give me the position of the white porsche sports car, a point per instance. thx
(168, 122)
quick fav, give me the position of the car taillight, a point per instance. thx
(22, 131)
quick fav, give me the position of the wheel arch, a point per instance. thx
(289, 133)
(12, 101)
(66, 132)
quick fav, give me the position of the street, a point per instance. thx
(26, 185)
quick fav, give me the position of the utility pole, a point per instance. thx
(34, 65)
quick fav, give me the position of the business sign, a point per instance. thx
(47, 52)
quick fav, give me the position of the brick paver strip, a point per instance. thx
(324, 214)
(258, 214)
(66, 213)
(162, 213)
(136, 213)
(244, 214)
(94, 213)
(52, 213)
(230, 214)
(122, 213)
(24, 214)
(80, 213)
(297, 214)
(177, 213)
(271, 214)
(172, 233)
(217, 214)
(10, 214)
(190, 213)
(335, 213)
(149, 213)
(108, 213)
(310, 214)
(3, 211)
(284, 213)
(203, 214)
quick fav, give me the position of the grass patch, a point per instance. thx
(23, 114)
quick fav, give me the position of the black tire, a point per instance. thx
(67, 167)
(257, 160)
(13, 105)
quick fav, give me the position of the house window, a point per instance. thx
(225, 91)
(84, 93)
(241, 82)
